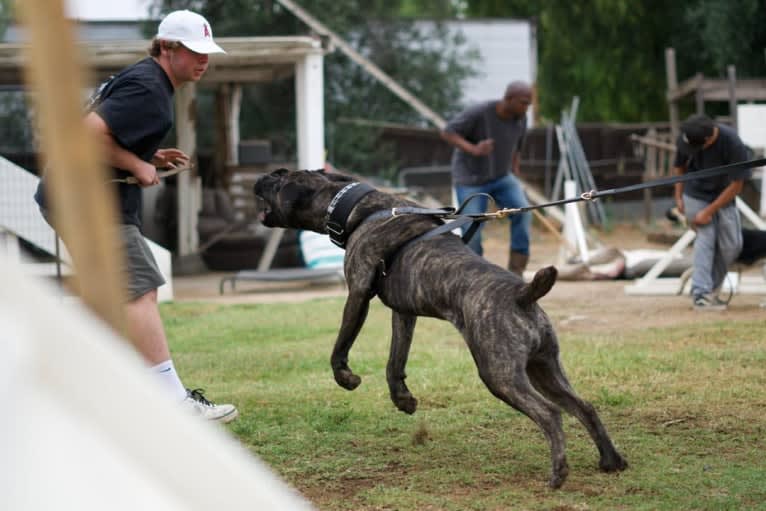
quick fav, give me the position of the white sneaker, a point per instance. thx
(197, 404)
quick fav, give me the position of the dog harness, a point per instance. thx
(341, 206)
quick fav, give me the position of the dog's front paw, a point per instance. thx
(406, 403)
(615, 463)
(559, 475)
(346, 379)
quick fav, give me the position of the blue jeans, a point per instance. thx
(507, 193)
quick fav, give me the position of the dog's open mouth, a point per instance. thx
(263, 208)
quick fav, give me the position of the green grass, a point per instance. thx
(685, 405)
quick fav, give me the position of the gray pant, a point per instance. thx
(716, 246)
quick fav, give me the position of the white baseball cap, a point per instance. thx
(190, 29)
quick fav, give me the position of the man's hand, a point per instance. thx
(484, 147)
(170, 159)
(146, 174)
(704, 217)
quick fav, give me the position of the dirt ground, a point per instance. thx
(574, 306)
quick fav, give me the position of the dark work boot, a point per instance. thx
(518, 263)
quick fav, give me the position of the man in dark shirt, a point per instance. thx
(130, 115)
(488, 139)
(709, 204)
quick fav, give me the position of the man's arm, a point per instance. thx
(119, 157)
(705, 216)
(483, 148)
(678, 188)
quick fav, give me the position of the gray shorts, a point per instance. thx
(142, 273)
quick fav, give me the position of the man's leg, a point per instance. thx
(509, 193)
(476, 205)
(704, 252)
(147, 333)
(729, 243)
(146, 330)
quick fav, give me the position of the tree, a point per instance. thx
(6, 14)
(430, 64)
(611, 52)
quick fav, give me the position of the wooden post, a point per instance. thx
(699, 94)
(81, 202)
(650, 172)
(672, 80)
(309, 106)
(732, 73)
(188, 182)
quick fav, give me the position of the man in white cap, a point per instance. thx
(131, 113)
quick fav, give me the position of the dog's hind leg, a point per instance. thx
(548, 377)
(521, 395)
(402, 328)
(354, 314)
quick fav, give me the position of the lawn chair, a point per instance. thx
(323, 264)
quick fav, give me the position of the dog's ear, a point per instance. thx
(280, 172)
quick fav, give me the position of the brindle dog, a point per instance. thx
(510, 337)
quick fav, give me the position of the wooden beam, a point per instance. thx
(689, 86)
(81, 202)
(368, 66)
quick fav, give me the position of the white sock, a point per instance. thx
(169, 379)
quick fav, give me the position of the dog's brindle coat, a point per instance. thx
(510, 337)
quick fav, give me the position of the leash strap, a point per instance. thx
(689, 176)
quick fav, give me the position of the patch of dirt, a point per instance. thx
(603, 306)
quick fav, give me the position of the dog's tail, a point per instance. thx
(541, 283)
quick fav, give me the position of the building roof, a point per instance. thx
(248, 59)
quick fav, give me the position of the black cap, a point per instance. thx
(696, 129)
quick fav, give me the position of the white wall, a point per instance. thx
(88, 428)
(103, 10)
(507, 52)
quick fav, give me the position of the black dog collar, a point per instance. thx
(340, 208)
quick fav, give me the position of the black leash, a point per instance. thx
(595, 194)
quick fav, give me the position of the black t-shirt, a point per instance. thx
(728, 148)
(138, 108)
(137, 105)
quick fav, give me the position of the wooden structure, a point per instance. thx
(705, 89)
(248, 60)
(658, 151)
